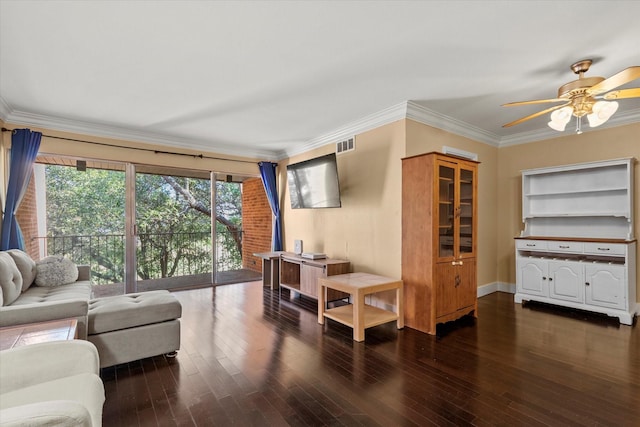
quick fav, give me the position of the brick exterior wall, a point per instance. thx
(256, 223)
(27, 217)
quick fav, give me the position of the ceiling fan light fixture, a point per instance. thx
(601, 112)
(560, 118)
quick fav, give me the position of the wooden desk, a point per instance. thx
(270, 268)
(359, 315)
(32, 333)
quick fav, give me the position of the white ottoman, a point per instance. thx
(134, 326)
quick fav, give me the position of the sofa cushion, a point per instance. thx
(86, 389)
(55, 270)
(132, 310)
(26, 265)
(39, 294)
(10, 279)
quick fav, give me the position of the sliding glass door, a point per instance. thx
(172, 230)
(138, 227)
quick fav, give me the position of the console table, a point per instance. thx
(270, 268)
(359, 315)
(32, 333)
(301, 274)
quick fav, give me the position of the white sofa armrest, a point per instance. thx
(37, 363)
(51, 413)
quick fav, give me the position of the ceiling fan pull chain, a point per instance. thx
(579, 126)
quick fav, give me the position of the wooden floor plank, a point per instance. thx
(250, 356)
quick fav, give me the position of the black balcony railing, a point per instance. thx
(158, 255)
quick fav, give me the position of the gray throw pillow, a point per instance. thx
(26, 265)
(55, 270)
(10, 279)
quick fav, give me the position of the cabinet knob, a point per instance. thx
(544, 278)
(586, 283)
(550, 279)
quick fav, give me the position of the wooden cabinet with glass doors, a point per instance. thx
(439, 228)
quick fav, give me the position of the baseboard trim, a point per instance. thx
(490, 288)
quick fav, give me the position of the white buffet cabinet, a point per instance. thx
(577, 248)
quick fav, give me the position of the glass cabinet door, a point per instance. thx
(446, 210)
(465, 212)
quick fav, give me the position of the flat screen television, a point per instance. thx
(314, 183)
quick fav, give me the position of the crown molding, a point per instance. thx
(4, 109)
(403, 110)
(110, 131)
(432, 118)
(372, 121)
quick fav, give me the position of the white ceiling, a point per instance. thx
(274, 78)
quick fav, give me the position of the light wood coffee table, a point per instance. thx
(359, 315)
(31, 333)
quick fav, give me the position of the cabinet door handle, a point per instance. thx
(531, 245)
(586, 283)
(457, 281)
(564, 247)
(604, 249)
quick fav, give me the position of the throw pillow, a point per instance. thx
(10, 279)
(26, 265)
(55, 270)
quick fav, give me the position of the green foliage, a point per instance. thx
(172, 215)
(81, 203)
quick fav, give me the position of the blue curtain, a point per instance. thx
(24, 149)
(268, 175)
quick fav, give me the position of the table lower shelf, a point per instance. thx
(373, 316)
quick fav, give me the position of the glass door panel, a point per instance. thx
(173, 228)
(80, 213)
(466, 211)
(228, 208)
(446, 209)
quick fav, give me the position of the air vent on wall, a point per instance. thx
(346, 145)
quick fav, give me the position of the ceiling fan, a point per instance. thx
(584, 97)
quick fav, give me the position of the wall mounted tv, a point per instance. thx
(314, 183)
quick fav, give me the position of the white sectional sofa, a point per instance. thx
(23, 301)
(124, 328)
(51, 384)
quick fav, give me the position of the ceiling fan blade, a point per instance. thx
(539, 113)
(623, 77)
(621, 94)
(537, 101)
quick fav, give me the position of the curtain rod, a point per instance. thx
(199, 156)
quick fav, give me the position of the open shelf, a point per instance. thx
(373, 316)
(586, 190)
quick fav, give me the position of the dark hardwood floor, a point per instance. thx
(249, 358)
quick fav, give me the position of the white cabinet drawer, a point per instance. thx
(605, 248)
(565, 246)
(531, 245)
